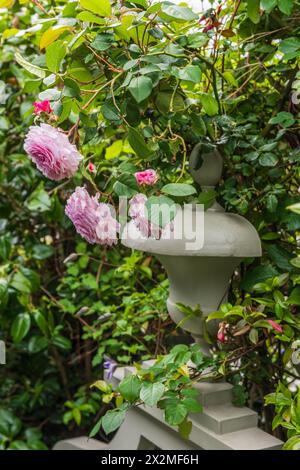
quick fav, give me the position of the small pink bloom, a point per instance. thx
(91, 167)
(42, 107)
(146, 177)
(275, 326)
(93, 220)
(221, 335)
(51, 151)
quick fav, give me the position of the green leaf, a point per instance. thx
(102, 42)
(138, 144)
(112, 420)
(95, 429)
(295, 262)
(285, 6)
(175, 413)
(130, 387)
(178, 189)
(207, 198)
(192, 405)
(10, 425)
(71, 88)
(160, 210)
(294, 297)
(49, 36)
(178, 13)
(268, 5)
(140, 88)
(38, 201)
(253, 335)
(21, 283)
(126, 185)
(185, 428)
(295, 208)
(253, 7)
(191, 73)
(55, 53)
(20, 327)
(34, 69)
(3, 293)
(210, 104)
(290, 47)
(268, 159)
(42, 252)
(100, 7)
(89, 18)
(151, 393)
(258, 274)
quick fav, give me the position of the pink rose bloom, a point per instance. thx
(91, 168)
(146, 177)
(42, 107)
(275, 326)
(51, 151)
(92, 219)
(138, 215)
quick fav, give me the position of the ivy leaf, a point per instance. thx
(100, 7)
(130, 387)
(112, 420)
(178, 189)
(140, 88)
(151, 393)
(20, 327)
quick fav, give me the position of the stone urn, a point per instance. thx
(200, 273)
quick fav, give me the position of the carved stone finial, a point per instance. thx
(209, 172)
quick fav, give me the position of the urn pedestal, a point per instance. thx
(199, 274)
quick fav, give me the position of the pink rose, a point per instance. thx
(51, 151)
(146, 177)
(42, 107)
(93, 220)
(91, 168)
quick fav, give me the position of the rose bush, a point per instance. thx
(117, 94)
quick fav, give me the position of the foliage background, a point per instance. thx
(64, 305)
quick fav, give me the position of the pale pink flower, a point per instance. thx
(275, 326)
(51, 151)
(93, 220)
(137, 211)
(146, 177)
(42, 107)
